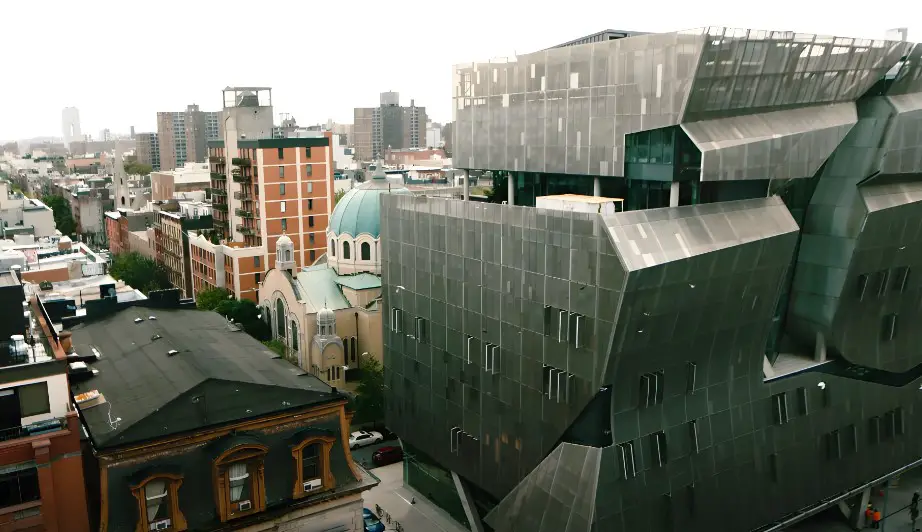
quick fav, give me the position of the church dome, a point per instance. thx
(284, 240)
(326, 316)
(358, 212)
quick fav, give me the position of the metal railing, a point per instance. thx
(40, 427)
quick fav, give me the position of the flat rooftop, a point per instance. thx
(8, 279)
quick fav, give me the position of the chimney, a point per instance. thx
(66, 342)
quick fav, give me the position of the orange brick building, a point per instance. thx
(267, 188)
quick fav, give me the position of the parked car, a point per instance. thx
(372, 523)
(362, 438)
(387, 455)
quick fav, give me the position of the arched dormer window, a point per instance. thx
(158, 503)
(240, 487)
(366, 251)
(346, 251)
(312, 466)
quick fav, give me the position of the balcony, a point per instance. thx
(219, 224)
(240, 161)
(34, 429)
(218, 176)
(242, 178)
(243, 213)
(243, 196)
(248, 231)
(218, 192)
(216, 159)
(219, 206)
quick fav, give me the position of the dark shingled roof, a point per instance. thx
(213, 380)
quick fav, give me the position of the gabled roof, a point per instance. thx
(361, 281)
(318, 289)
(218, 375)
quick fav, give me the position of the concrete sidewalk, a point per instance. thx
(896, 515)
(397, 500)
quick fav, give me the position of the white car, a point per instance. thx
(362, 438)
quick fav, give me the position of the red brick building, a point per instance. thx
(41, 469)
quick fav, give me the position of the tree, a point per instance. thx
(338, 195)
(63, 217)
(277, 347)
(136, 168)
(500, 191)
(210, 298)
(142, 273)
(369, 399)
(245, 313)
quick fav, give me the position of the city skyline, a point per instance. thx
(348, 80)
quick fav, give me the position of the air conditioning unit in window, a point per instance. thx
(312, 485)
(244, 506)
(163, 524)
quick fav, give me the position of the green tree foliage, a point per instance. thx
(247, 315)
(136, 168)
(63, 217)
(369, 399)
(338, 195)
(500, 191)
(210, 298)
(140, 272)
(277, 347)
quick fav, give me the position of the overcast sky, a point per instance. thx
(121, 62)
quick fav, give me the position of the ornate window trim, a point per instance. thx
(177, 519)
(253, 456)
(326, 474)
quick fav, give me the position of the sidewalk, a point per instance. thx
(896, 515)
(397, 500)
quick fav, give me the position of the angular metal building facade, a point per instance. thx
(747, 352)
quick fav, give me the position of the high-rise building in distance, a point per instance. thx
(147, 148)
(388, 126)
(70, 125)
(184, 135)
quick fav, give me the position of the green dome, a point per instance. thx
(359, 210)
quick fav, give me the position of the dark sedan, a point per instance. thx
(387, 455)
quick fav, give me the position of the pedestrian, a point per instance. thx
(869, 515)
(877, 518)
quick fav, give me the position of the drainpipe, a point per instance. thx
(358, 358)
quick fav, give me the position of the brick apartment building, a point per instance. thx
(41, 472)
(183, 136)
(171, 231)
(264, 189)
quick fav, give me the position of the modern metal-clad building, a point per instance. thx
(739, 342)
(753, 104)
